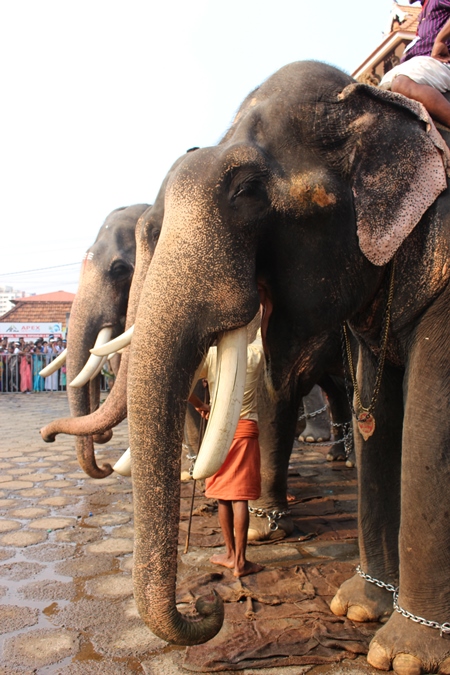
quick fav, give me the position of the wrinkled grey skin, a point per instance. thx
(101, 301)
(277, 426)
(310, 158)
(146, 233)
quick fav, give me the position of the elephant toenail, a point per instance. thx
(358, 613)
(407, 664)
(337, 607)
(377, 657)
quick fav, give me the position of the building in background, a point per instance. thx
(401, 30)
(8, 293)
(38, 316)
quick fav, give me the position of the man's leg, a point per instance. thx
(435, 102)
(242, 566)
(226, 523)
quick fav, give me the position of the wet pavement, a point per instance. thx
(66, 542)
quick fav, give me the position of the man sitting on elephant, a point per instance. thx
(424, 71)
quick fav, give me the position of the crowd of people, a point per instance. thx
(21, 362)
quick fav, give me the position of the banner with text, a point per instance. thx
(30, 331)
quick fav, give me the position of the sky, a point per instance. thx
(100, 97)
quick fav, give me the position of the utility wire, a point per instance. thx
(38, 269)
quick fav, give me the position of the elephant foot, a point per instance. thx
(336, 453)
(317, 428)
(362, 601)
(261, 529)
(409, 648)
(315, 432)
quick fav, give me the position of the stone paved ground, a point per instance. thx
(66, 546)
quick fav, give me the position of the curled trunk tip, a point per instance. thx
(197, 629)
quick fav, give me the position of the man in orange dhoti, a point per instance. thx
(239, 478)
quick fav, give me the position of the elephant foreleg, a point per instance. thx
(277, 425)
(411, 646)
(379, 466)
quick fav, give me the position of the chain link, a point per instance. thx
(272, 516)
(347, 440)
(444, 628)
(192, 458)
(308, 416)
(377, 582)
(381, 356)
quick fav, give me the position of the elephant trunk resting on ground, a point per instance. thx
(319, 183)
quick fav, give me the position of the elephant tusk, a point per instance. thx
(115, 345)
(226, 404)
(123, 464)
(54, 365)
(94, 363)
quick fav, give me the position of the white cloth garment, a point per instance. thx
(423, 70)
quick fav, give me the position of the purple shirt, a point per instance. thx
(434, 14)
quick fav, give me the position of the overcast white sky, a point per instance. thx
(99, 97)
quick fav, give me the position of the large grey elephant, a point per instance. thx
(270, 517)
(100, 305)
(318, 186)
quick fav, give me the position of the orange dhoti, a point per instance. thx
(239, 478)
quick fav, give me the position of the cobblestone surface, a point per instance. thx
(66, 545)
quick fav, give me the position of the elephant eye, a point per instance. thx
(121, 271)
(155, 236)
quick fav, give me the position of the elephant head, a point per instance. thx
(301, 206)
(100, 305)
(96, 421)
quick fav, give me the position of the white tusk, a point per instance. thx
(113, 346)
(226, 404)
(94, 363)
(123, 464)
(54, 365)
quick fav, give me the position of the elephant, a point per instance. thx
(100, 304)
(88, 423)
(269, 517)
(326, 202)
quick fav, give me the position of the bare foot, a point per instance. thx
(248, 568)
(222, 559)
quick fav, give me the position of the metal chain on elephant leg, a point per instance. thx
(347, 427)
(377, 582)
(347, 439)
(308, 416)
(272, 516)
(444, 628)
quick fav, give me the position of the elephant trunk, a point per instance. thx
(99, 421)
(84, 327)
(180, 314)
(167, 349)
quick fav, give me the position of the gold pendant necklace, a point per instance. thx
(364, 416)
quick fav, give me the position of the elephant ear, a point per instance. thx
(399, 166)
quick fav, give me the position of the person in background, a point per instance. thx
(25, 370)
(12, 366)
(38, 364)
(239, 478)
(51, 351)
